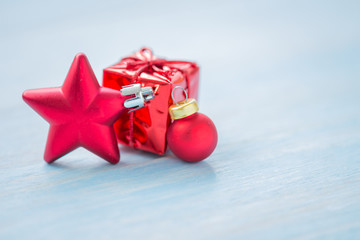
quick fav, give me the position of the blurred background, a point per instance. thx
(280, 79)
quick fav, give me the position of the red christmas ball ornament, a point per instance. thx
(192, 136)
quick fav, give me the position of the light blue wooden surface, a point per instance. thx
(280, 79)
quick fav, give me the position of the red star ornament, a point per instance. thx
(80, 113)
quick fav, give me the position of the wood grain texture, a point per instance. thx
(279, 79)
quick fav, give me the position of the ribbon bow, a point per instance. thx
(145, 60)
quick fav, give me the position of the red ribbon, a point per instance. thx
(147, 61)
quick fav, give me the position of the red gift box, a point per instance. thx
(146, 128)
